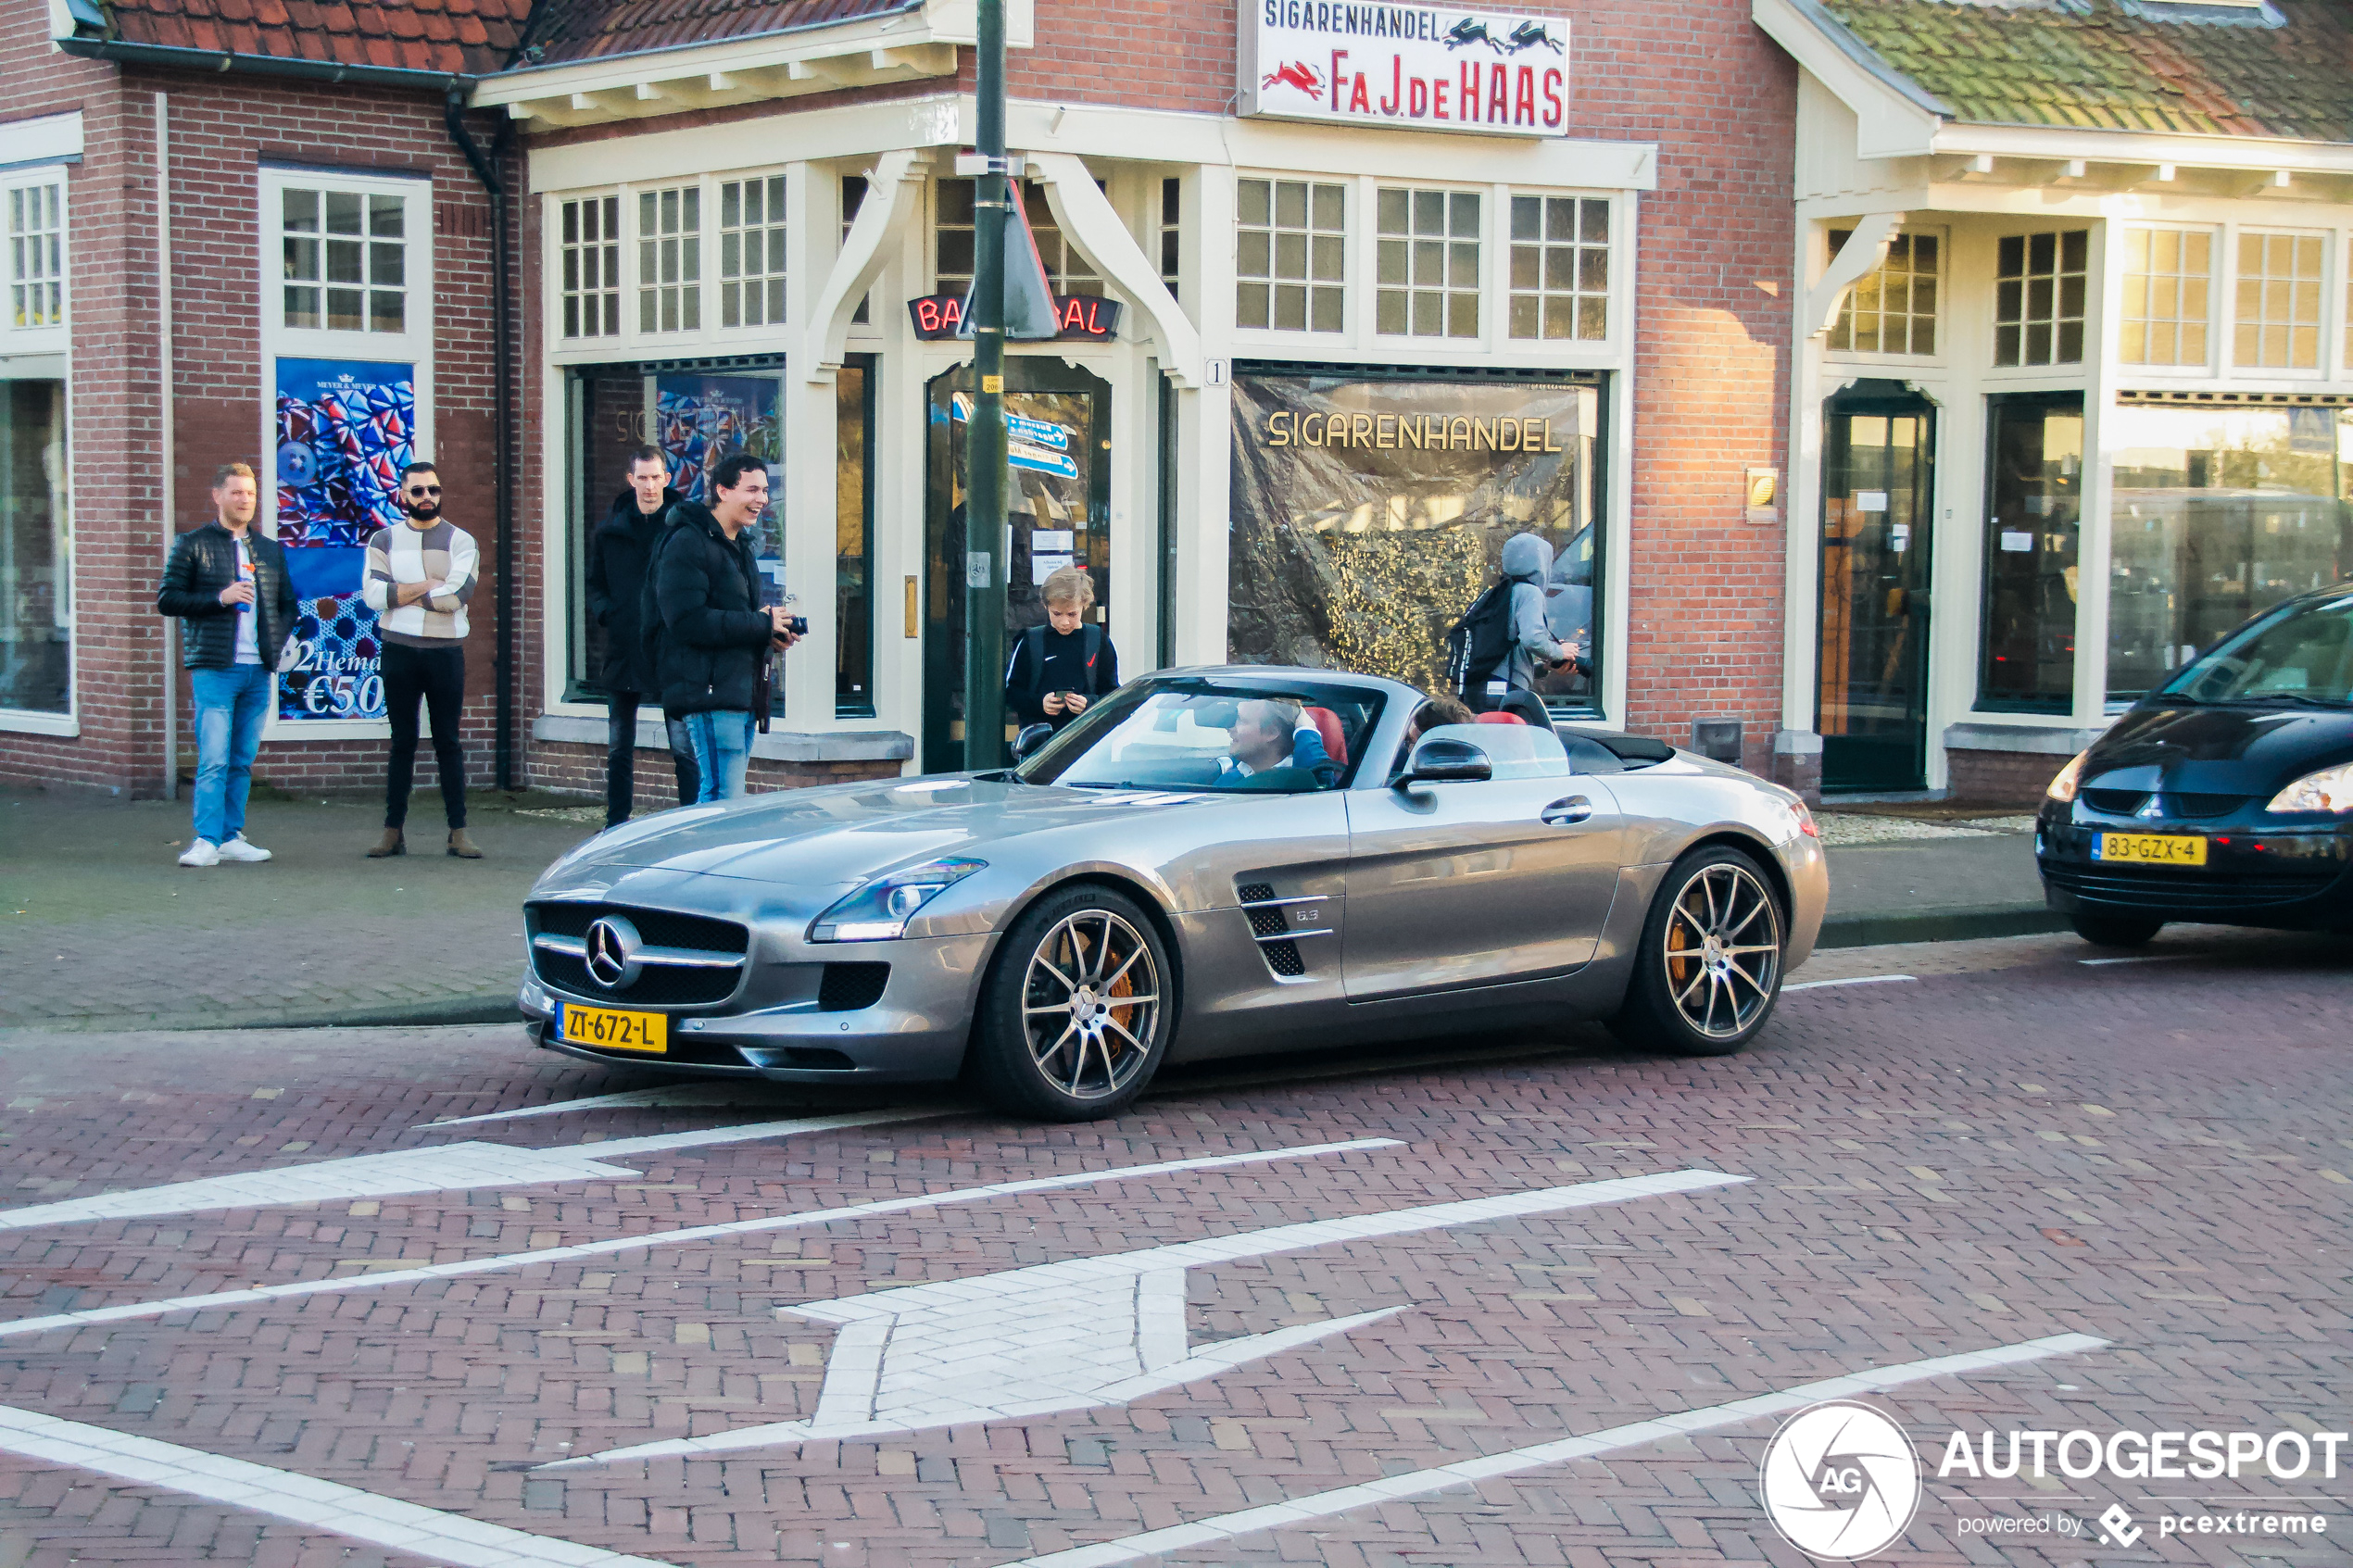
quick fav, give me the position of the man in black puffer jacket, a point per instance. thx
(712, 633)
(620, 551)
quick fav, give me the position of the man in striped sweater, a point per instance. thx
(420, 573)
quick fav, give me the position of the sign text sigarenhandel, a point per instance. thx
(1411, 66)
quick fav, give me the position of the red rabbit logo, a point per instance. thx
(1293, 74)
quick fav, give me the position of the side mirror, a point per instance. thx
(1031, 737)
(1440, 760)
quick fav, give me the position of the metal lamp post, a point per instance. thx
(984, 437)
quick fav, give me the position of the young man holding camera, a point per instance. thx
(714, 636)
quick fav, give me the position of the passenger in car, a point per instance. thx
(1275, 746)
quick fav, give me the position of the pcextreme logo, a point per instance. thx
(1840, 1481)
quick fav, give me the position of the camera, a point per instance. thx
(798, 625)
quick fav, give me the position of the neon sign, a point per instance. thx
(1082, 318)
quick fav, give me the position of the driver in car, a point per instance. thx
(1274, 746)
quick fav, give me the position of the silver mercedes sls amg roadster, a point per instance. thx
(1210, 862)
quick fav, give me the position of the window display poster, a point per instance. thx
(344, 430)
(700, 419)
(1368, 514)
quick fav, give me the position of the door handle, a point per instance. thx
(1567, 812)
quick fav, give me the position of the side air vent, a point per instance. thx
(847, 987)
(1270, 928)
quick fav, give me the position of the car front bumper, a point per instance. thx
(2257, 873)
(914, 1032)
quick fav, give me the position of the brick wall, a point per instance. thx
(2001, 778)
(221, 128)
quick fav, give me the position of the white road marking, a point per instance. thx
(132, 1309)
(1858, 980)
(667, 1094)
(1082, 1332)
(2143, 958)
(322, 1505)
(1420, 1483)
(453, 1167)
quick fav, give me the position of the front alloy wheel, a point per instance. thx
(1077, 1011)
(1709, 968)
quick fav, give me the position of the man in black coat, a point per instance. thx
(227, 583)
(714, 634)
(620, 551)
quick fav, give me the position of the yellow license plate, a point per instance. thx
(2150, 849)
(610, 1029)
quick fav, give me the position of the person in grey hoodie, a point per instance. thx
(1528, 560)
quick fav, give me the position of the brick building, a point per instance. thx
(1350, 294)
(2074, 369)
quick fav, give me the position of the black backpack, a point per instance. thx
(1037, 635)
(1476, 644)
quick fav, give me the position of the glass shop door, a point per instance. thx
(1057, 511)
(1877, 489)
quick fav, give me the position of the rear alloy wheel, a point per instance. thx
(1077, 1012)
(1709, 967)
(2116, 931)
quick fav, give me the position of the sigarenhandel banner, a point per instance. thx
(1498, 74)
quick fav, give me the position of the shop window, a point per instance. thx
(36, 556)
(1893, 308)
(2034, 474)
(1427, 264)
(1292, 264)
(670, 259)
(752, 252)
(2214, 515)
(345, 257)
(1369, 513)
(2168, 282)
(591, 246)
(2278, 320)
(1560, 268)
(1172, 234)
(854, 539)
(696, 417)
(36, 255)
(1067, 269)
(2038, 301)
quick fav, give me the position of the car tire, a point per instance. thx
(1707, 971)
(1076, 1010)
(2116, 931)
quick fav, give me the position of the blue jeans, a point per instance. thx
(232, 706)
(722, 745)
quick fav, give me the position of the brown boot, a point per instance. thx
(392, 842)
(463, 847)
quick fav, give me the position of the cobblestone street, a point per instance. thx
(909, 1332)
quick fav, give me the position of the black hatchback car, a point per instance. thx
(2224, 796)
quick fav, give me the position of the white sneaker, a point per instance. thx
(203, 852)
(242, 848)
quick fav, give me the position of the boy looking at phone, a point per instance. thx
(1059, 668)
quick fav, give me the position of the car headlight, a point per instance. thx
(2063, 787)
(2331, 789)
(879, 912)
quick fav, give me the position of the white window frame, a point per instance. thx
(412, 345)
(2218, 237)
(19, 365)
(1487, 235)
(50, 338)
(711, 339)
(558, 293)
(2324, 327)
(1943, 235)
(1355, 235)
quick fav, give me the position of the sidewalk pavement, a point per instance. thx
(100, 929)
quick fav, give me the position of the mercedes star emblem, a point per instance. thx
(612, 953)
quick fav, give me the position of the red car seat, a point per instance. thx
(1502, 719)
(1335, 739)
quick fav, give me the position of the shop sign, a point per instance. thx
(1414, 67)
(1389, 432)
(1080, 318)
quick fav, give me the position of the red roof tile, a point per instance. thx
(460, 37)
(584, 29)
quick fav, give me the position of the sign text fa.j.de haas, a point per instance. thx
(1409, 67)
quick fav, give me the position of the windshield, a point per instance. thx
(2303, 656)
(1185, 732)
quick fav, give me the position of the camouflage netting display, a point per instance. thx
(1367, 515)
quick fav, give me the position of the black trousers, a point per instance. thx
(438, 677)
(621, 759)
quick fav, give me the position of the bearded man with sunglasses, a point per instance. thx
(420, 574)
